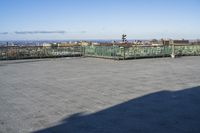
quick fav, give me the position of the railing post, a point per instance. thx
(173, 51)
(7, 49)
(114, 52)
(124, 56)
(83, 51)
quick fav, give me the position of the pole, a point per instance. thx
(173, 51)
(124, 53)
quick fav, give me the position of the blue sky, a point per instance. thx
(99, 19)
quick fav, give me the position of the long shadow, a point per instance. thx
(8, 62)
(160, 112)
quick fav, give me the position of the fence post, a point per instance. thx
(114, 52)
(173, 51)
(124, 53)
(83, 51)
(7, 49)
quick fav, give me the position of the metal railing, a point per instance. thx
(187, 50)
(147, 52)
(112, 52)
(30, 52)
(102, 51)
(135, 52)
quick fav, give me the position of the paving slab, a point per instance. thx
(89, 95)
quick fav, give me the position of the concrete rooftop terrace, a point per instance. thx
(89, 95)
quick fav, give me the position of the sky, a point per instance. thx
(99, 19)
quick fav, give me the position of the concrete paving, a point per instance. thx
(89, 95)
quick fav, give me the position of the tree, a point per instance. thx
(124, 38)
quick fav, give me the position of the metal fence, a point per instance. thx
(187, 50)
(102, 51)
(135, 52)
(112, 52)
(147, 52)
(29, 52)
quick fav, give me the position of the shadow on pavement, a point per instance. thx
(160, 112)
(6, 62)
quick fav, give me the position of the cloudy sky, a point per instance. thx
(99, 19)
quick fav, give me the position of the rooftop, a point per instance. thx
(81, 95)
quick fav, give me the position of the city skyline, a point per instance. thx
(99, 19)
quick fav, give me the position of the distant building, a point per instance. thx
(165, 42)
(198, 42)
(46, 45)
(102, 44)
(95, 44)
(155, 42)
(84, 43)
(180, 42)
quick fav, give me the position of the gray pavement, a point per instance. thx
(88, 95)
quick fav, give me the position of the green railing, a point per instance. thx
(29, 52)
(102, 51)
(187, 50)
(112, 52)
(117, 52)
(148, 51)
